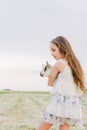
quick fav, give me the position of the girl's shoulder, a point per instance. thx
(61, 64)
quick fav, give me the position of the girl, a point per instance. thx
(64, 107)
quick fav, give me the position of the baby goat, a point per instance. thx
(46, 70)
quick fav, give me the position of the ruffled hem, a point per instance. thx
(50, 118)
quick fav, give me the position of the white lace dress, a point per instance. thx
(65, 104)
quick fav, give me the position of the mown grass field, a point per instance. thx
(23, 110)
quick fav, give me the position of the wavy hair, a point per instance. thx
(64, 47)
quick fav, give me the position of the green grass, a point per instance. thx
(22, 110)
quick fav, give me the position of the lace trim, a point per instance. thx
(61, 120)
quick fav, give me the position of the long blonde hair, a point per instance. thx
(64, 47)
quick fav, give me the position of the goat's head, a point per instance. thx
(46, 70)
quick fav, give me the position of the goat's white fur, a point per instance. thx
(46, 70)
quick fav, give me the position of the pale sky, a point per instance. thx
(27, 27)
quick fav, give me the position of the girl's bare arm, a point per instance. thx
(52, 76)
(58, 67)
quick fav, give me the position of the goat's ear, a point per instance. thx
(47, 64)
(42, 64)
